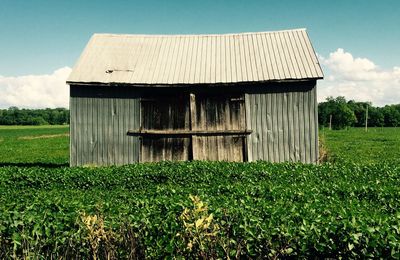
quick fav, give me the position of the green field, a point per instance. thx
(356, 145)
(34, 145)
(39, 145)
(346, 208)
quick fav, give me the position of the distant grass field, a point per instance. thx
(50, 144)
(356, 145)
(26, 145)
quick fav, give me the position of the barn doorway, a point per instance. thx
(193, 126)
(161, 117)
(222, 119)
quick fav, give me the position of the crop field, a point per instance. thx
(346, 208)
(34, 145)
(356, 145)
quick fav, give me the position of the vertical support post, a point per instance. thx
(247, 153)
(193, 123)
(140, 128)
(330, 122)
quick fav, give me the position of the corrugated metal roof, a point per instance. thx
(197, 59)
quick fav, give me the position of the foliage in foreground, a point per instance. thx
(201, 210)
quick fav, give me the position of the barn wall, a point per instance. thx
(284, 124)
(282, 116)
(100, 118)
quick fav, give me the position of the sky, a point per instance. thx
(357, 42)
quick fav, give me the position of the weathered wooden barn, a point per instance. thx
(235, 97)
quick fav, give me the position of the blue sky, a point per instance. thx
(39, 37)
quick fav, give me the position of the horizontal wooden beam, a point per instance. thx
(188, 132)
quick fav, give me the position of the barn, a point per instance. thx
(233, 97)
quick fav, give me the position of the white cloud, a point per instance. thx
(355, 78)
(35, 91)
(359, 79)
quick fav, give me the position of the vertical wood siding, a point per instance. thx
(99, 125)
(165, 113)
(218, 112)
(283, 118)
(285, 126)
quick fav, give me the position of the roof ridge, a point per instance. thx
(195, 35)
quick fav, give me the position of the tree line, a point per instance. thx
(48, 116)
(335, 112)
(340, 113)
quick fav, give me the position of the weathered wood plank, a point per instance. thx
(313, 126)
(288, 125)
(264, 126)
(248, 125)
(91, 139)
(231, 122)
(296, 125)
(131, 149)
(281, 141)
(270, 137)
(301, 127)
(168, 113)
(218, 118)
(307, 133)
(109, 129)
(316, 124)
(292, 153)
(259, 135)
(254, 136)
(83, 129)
(90, 133)
(193, 124)
(120, 133)
(275, 128)
(135, 121)
(100, 124)
(286, 129)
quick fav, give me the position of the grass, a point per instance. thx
(34, 145)
(43, 145)
(356, 145)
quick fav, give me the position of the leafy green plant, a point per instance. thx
(200, 232)
(259, 210)
(97, 234)
(346, 209)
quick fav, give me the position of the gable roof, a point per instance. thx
(197, 59)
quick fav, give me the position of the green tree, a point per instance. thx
(391, 116)
(341, 112)
(359, 109)
(38, 121)
(375, 116)
(16, 116)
